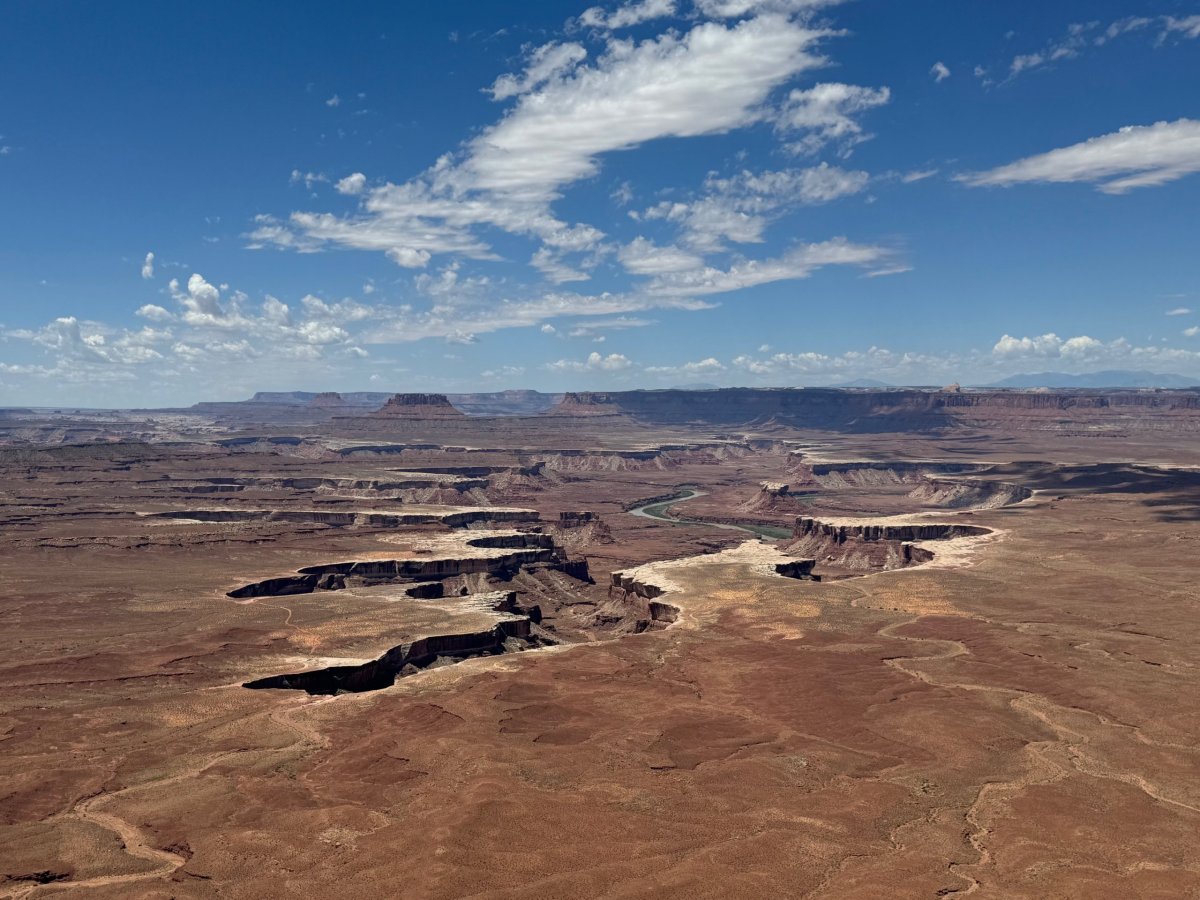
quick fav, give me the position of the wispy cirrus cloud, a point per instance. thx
(1133, 157)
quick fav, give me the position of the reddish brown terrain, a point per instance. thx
(304, 647)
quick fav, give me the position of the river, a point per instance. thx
(658, 510)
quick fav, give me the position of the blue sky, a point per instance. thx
(199, 201)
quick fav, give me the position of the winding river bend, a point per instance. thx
(658, 510)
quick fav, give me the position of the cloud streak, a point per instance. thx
(1136, 156)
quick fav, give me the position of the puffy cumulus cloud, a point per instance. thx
(741, 207)
(1046, 346)
(545, 62)
(799, 262)
(627, 14)
(201, 303)
(148, 267)
(1008, 356)
(709, 366)
(352, 184)
(940, 72)
(154, 313)
(1133, 157)
(1084, 353)
(88, 353)
(1191, 332)
(826, 113)
(595, 362)
(810, 367)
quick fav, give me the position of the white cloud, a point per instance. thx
(503, 372)
(589, 328)
(614, 362)
(1179, 311)
(1135, 156)
(826, 112)
(644, 257)
(308, 179)
(1192, 332)
(799, 262)
(1024, 62)
(627, 14)
(335, 101)
(154, 313)
(710, 80)
(1082, 36)
(148, 266)
(730, 9)
(740, 208)
(551, 265)
(1188, 26)
(940, 72)
(352, 184)
(709, 366)
(546, 62)
(918, 175)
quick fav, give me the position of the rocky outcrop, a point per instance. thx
(843, 475)
(801, 569)
(345, 518)
(773, 497)
(806, 526)
(585, 403)
(527, 551)
(328, 400)
(633, 606)
(512, 633)
(947, 493)
(870, 546)
(418, 406)
(624, 585)
(580, 530)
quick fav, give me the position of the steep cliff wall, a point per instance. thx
(418, 406)
(905, 409)
(871, 546)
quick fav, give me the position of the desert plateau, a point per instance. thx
(632, 645)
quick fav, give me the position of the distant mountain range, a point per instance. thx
(1115, 378)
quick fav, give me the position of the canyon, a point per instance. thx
(742, 642)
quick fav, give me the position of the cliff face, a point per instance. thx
(917, 531)
(328, 400)
(867, 546)
(418, 406)
(586, 403)
(894, 410)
